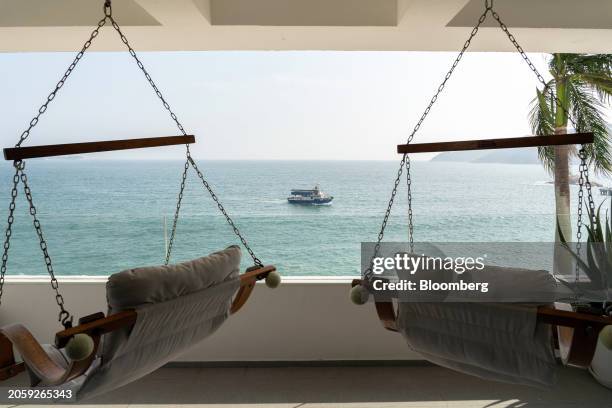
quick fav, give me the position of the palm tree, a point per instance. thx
(582, 84)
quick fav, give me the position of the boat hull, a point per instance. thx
(313, 201)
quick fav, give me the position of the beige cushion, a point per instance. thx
(154, 284)
(177, 306)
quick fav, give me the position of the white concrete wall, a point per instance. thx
(420, 25)
(304, 319)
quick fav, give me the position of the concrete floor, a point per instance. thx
(351, 387)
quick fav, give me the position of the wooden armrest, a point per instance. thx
(98, 327)
(386, 315)
(8, 366)
(575, 320)
(577, 333)
(255, 273)
(38, 361)
(589, 325)
(247, 284)
(384, 309)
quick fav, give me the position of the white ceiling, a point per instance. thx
(304, 13)
(588, 14)
(424, 25)
(68, 13)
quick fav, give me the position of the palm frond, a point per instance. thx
(541, 119)
(593, 69)
(597, 64)
(601, 83)
(587, 112)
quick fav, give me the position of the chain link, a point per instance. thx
(9, 225)
(188, 155)
(223, 211)
(64, 317)
(176, 213)
(367, 275)
(583, 182)
(448, 75)
(62, 81)
(584, 178)
(146, 73)
(406, 160)
(533, 68)
(587, 184)
(409, 194)
(582, 157)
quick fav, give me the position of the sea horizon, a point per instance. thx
(102, 216)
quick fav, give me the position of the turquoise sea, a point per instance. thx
(100, 217)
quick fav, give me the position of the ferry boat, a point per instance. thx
(314, 196)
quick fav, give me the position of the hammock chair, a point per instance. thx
(466, 336)
(154, 313)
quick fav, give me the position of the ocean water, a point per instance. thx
(100, 217)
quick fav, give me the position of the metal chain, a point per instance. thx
(64, 316)
(145, 72)
(107, 17)
(223, 211)
(526, 58)
(584, 168)
(582, 157)
(367, 275)
(406, 160)
(409, 194)
(62, 81)
(188, 153)
(448, 75)
(587, 184)
(176, 213)
(583, 182)
(9, 225)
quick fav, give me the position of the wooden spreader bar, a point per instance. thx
(29, 152)
(508, 143)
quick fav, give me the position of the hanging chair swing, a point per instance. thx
(446, 333)
(154, 313)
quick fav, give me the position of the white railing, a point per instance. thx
(305, 319)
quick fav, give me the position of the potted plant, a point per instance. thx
(597, 265)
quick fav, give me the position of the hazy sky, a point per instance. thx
(268, 105)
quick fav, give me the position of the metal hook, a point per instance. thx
(108, 10)
(19, 164)
(65, 319)
(489, 4)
